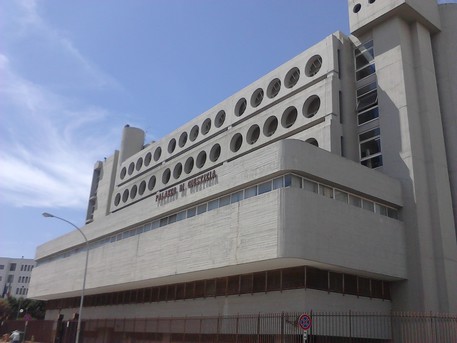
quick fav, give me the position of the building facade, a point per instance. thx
(327, 184)
(15, 276)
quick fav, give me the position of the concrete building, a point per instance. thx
(15, 276)
(327, 184)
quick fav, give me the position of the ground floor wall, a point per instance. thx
(303, 300)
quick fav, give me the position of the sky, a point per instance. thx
(73, 73)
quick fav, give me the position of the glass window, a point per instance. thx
(368, 205)
(326, 191)
(147, 227)
(364, 72)
(367, 100)
(181, 215)
(341, 196)
(310, 186)
(224, 201)
(235, 197)
(213, 204)
(278, 182)
(12, 267)
(201, 208)
(355, 200)
(291, 180)
(368, 115)
(392, 213)
(163, 221)
(370, 148)
(172, 219)
(382, 210)
(250, 192)
(265, 187)
(191, 212)
(155, 224)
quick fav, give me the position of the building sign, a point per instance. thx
(172, 193)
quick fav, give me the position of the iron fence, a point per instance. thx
(348, 327)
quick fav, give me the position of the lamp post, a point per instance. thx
(78, 329)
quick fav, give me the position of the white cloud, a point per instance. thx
(49, 140)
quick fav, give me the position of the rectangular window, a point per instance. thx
(163, 221)
(317, 279)
(250, 192)
(293, 278)
(201, 209)
(172, 219)
(246, 283)
(367, 97)
(155, 224)
(181, 216)
(310, 186)
(12, 267)
(370, 148)
(341, 196)
(233, 285)
(273, 280)
(235, 197)
(292, 181)
(355, 201)
(2, 266)
(213, 204)
(265, 187)
(191, 212)
(326, 191)
(278, 182)
(364, 60)
(392, 213)
(366, 116)
(382, 210)
(224, 201)
(368, 205)
(259, 282)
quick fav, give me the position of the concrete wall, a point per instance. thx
(277, 229)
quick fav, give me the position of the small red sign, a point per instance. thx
(304, 322)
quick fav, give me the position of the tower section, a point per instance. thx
(394, 42)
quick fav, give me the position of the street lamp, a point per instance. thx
(78, 329)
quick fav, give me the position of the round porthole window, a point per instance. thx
(189, 165)
(194, 133)
(240, 107)
(157, 153)
(201, 159)
(142, 187)
(270, 126)
(357, 8)
(311, 106)
(313, 66)
(206, 126)
(236, 142)
(220, 119)
(117, 199)
(289, 117)
(152, 183)
(133, 192)
(139, 164)
(123, 172)
(131, 168)
(273, 88)
(182, 139)
(125, 195)
(171, 145)
(166, 176)
(292, 77)
(147, 159)
(215, 153)
(177, 171)
(312, 141)
(253, 134)
(257, 97)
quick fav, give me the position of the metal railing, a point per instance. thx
(328, 327)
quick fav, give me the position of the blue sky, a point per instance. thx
(73, 73)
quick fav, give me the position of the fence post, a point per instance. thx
(282, 327)
(350, 326)
(258, 328)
